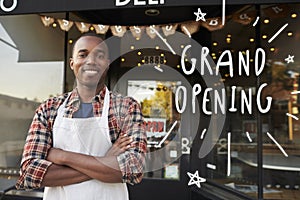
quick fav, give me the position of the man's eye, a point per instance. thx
(82, 55)
(101, 56)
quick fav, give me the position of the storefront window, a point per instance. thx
(31, 71)
(279, 126)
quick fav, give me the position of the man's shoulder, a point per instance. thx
(119, 98)
(55, 101)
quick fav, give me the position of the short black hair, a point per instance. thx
(93, 34)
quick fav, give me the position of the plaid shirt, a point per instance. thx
(124, 117)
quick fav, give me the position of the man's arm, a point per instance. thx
(36, 171)
(58, 175)
(105, 168)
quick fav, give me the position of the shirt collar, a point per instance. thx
(74, 99)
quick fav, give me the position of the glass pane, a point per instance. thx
(162, 124)
(281, 141)
(31, 70)
(236, 169)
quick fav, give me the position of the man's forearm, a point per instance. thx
(105, 169)
(58, 175)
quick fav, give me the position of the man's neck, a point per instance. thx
(87, 94)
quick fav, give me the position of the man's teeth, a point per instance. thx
(91, 71)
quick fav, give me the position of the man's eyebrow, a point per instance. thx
(82, 50)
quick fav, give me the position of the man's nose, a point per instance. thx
(91, 59)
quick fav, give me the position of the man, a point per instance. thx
(69, 145)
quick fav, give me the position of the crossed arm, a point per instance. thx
(70, 168)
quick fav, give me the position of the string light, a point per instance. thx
(92, 28)
(264, 37)
(139, 64)
(131, 47)
(229, 35)
(213, 54)
(228, 40)
(123, 59)
(156, 47)
(293, 15)
(139, 53)
(54, 25)
(290, 33)
(251, 39)
(137, 38)
(182, 46)
(70, 41)
(272, 49)
(162, 55)
(266, 21)
(215, 44)
(178, 66)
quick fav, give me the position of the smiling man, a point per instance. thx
(88, 143)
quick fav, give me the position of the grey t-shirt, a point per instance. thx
(85, 111)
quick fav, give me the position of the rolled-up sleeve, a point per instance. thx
(132, 162)
(34, 164)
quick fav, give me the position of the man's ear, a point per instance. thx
(71, 63)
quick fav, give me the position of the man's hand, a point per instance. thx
(120, 146)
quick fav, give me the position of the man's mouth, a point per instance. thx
(91, 71)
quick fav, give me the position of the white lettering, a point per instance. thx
(137, 29)
(196, 91)
(183, 61)
(8, 9)
(258, 100)
(263, 61)
(122, 3)
(228, 63)
(139, 2)
(220, 102)
(244, 63)
(184, 99)
(205, 100)
(233, 108)
(204, 54)
(245, 101)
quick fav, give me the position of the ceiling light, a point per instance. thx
(152, 12)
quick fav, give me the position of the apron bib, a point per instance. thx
(89, 136)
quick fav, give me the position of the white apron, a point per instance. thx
(88, 136)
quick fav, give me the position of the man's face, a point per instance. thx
(90, 61)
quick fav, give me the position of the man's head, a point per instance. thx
(90, 61)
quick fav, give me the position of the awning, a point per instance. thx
(12, 7)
